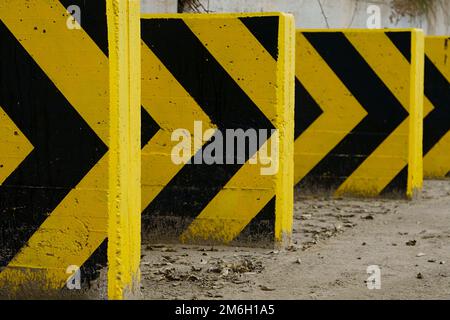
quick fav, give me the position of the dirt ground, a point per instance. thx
(334, 241)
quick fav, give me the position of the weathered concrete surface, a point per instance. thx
(335, 240)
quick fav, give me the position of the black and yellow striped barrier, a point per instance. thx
(436, 130)
(358, 111)
(224, 71)
(65, 141)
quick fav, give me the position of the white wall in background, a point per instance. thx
(319, 13)
(159, 6)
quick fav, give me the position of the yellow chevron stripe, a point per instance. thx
(161, 92)
(78, 225)
(335, 122)
(14, 146)
(436, 162)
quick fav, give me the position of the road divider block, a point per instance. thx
(65, 151)
(358, 127)
(207, 82)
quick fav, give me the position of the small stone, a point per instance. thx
(349, 225)
(193, 278)
(266, 288)
(215, 269)
(225, 272)
(411, 243)
(419, 276)
(431, 260)
(420, 254)
(298, 261)
(441, 262)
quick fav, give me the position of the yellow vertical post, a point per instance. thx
(124, 161)
(285, 124)
(415, 175)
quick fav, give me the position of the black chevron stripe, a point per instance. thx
(385, 112)
(397, 185)
(437, 123)
(93, 20)
(262, 228)
(265, 29)
(219, 96)
(149, 127)
(306, 109)
(402, 41)
(65, 147)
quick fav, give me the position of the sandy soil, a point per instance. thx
(334, 242)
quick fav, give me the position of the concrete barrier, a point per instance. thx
(358, 127)
(201, 76)
(436, 131)
(59, 185)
